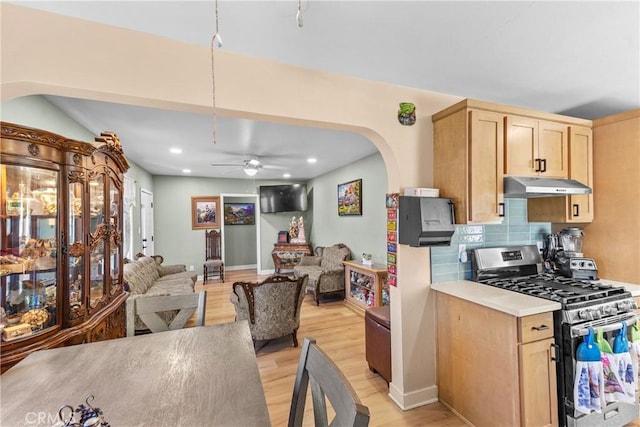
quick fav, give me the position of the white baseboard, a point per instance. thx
(240, 267)
(413, 399)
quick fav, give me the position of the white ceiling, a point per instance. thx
(580, 58)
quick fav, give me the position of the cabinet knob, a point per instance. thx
(538, 167)
(501, 209)
(576, 209)
(543, 165)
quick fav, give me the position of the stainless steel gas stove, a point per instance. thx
(584, 305)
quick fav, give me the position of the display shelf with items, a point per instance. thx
(366, 284)
(51, 244)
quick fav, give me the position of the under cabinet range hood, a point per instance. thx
(524, 187)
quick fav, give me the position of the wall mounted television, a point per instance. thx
(283, 198)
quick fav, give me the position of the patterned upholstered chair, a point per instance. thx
(325, 270)
(272, 306)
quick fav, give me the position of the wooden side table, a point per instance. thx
(287, 255)
(365, 285)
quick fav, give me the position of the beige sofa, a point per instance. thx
(325, 270)
(146, 277)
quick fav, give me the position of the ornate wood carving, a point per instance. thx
(34, 150)
(77, 159)
(76, 176)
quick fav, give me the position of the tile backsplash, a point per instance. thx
(515, 230)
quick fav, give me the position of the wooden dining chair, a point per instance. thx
(327, 382)
(151, 309)
(213, 264)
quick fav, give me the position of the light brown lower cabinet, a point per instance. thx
(494, 368)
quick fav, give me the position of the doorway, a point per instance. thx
(231, 198)
(146, 221)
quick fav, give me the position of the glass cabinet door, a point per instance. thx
(28, 252)
(75, 244)
(115, 241)
(98, 233)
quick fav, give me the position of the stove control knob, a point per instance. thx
(624, 306)
(585, 314)
(595, 314)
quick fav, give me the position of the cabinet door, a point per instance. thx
(75, 257)
(536, 148)
(553, 149)
(538, 384)
(521, 146)
(98, 236)
(486, 166)
(28, 249)
(580, 208)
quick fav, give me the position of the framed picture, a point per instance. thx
(239, 214)
(350, 198)
(205, 212)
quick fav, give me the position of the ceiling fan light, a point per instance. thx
(254, 162)
(250, 171)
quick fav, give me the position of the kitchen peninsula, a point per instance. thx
(499, 345)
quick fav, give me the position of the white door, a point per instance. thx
(146, 221)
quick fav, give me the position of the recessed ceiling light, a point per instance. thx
(175, 150)
(186, 170)
(286, 175)
(312, 160)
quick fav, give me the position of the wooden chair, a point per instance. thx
(147, 309)
(213, 264)
(327, 382)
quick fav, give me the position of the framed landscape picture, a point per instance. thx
(239, 214)
(205, 212)
(350, 198)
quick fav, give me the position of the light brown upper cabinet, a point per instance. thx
(570, 209)
(536, 147)
(476, 143)
(468, 163)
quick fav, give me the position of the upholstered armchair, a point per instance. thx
(325, 270)
(272, 306)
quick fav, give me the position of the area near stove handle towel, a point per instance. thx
(624, 366)
(634, 351)
(589, 384)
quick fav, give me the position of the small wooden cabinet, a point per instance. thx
(61, 249)
(366, 285)
(494, 366)
(536, 147)
(287, 255)
(570, 209)
(468, 163)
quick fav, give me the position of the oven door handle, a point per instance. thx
(612, 323)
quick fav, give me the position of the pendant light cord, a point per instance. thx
(213, 76)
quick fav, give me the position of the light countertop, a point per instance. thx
(509, 302)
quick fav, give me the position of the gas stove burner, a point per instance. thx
(569, 292)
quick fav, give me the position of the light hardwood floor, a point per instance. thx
(340, 333)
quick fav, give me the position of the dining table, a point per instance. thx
(199, 376)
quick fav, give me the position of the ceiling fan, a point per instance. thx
(250, 164)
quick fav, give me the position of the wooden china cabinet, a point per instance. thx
(61, 250)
